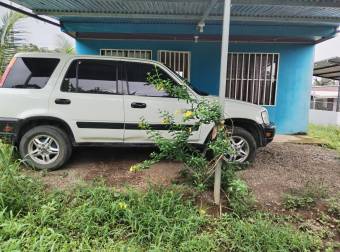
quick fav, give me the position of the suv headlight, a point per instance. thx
(265, 117)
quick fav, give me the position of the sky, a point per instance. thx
(39, 33)
(46, 35)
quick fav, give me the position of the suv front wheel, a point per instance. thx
(244, 146)
(45, 147)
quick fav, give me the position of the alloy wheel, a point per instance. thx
(43, 149)
(241, 149)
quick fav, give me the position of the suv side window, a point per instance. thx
(92, 76)
(30, 73)
(136, 80)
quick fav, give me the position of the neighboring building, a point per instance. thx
(324, 98)
(271, 43)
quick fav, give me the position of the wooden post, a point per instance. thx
(222, 88)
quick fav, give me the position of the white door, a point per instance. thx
(142, 100)
(90, 101)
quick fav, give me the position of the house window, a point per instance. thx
(130, 53)
(178, 61)
(252, 77)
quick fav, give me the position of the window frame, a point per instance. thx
(119, 84)
(252, 80)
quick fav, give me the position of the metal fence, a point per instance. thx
(324, 104)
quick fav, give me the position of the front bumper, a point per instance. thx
(8, 129)
(268, 132)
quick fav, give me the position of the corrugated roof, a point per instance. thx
(329, 68)
(284, 11)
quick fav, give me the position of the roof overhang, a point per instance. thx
(329, 69)
(287, 11)
(196, 13)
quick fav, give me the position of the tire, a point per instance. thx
(50, 148)
(250, 143)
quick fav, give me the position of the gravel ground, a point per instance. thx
(278, 168)
(281, 167)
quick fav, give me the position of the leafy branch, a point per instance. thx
(177, 146)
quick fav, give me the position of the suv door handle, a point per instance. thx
(138, 105)
(62, 101)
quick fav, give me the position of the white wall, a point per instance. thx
(322, 117)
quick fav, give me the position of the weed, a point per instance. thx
(260, 233)
(18, 194)
(305, 197)
(240, 199)
(98, 218)
(333, 205)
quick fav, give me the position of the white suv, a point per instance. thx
(50, 103)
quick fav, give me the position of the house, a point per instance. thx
(271, 44)
(325, 100)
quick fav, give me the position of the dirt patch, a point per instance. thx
(281, 167)
(112, 165)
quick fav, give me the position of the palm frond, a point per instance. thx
(64, 45)
(10, 38)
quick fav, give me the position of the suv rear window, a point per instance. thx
(30, 73)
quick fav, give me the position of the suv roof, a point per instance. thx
(70, 56)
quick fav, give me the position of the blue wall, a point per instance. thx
(295, 72)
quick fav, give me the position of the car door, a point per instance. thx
(142, 100)
(89, 99)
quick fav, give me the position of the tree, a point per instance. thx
(319, 81)
(10, 38)
(64, 45)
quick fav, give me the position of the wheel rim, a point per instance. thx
(43, 149)
(241, 149)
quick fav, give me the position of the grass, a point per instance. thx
(329, 134)
(306, 197)
(99, 218)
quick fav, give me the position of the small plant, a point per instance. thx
(177, 148)
(305, 197)
(297, 201)
(333, 205)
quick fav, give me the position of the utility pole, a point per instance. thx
(338, 102)
(222, 89)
